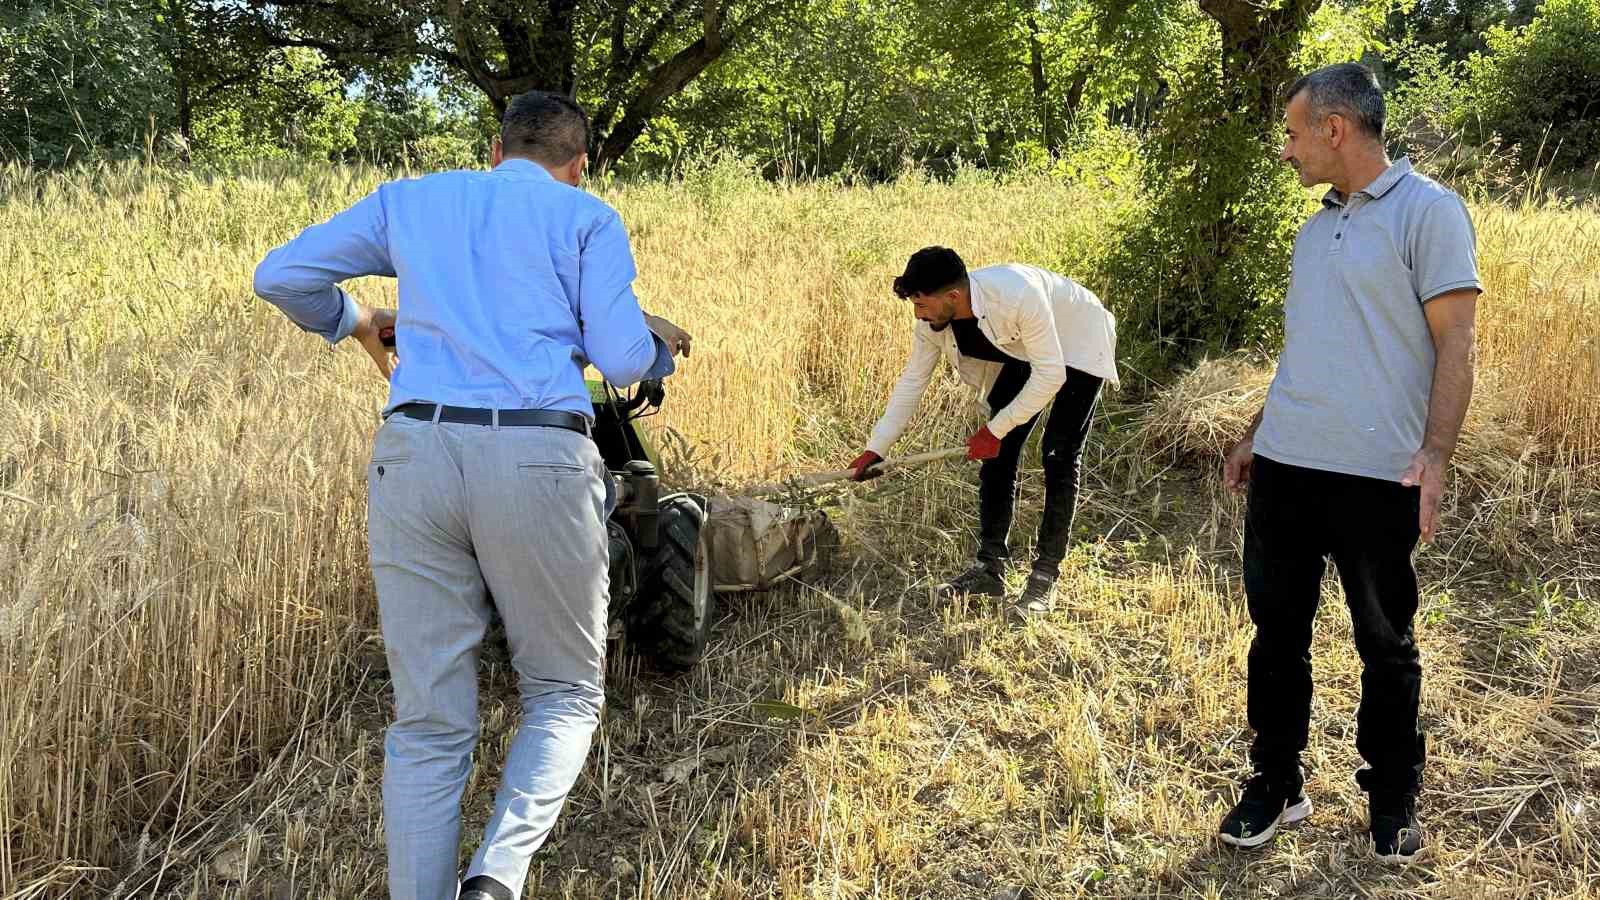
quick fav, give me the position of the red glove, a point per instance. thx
(983, 445)
(863, 466)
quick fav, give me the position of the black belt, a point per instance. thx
(471, 415)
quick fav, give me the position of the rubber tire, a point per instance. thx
(670, 620)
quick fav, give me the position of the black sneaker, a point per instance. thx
(1266, 804)
(1397, 837)
(1038, 595)
(978, 581)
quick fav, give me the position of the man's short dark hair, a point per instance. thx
(929, 271)
(1348, 89)
(544, 126)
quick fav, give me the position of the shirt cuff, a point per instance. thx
(347, 319)
(663, 364)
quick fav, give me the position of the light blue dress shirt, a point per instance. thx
(510, 282)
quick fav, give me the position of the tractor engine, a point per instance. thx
(632, 529)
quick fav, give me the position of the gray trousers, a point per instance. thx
(453, 509)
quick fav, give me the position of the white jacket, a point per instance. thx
(1031, 314)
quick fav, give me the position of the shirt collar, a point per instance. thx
(1381, 185)
(525, 168)
(980, 302)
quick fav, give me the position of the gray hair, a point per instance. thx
(1347, 89)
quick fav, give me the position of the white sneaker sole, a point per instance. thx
(1026, 613)
(1289, 816)
(1398, 859)
(1395, 859)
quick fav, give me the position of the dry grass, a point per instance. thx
(193, 689)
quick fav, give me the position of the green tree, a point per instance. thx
(836, 89)
(79, 78)
(862, 85)
(82, 78)
(1058, 60)
(1205, 267)
(623, 58)
(295, 107)
(400, 124)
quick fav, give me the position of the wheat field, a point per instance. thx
(194, 690)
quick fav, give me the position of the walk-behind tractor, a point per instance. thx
(671, 555)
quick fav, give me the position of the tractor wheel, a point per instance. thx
(670, 621)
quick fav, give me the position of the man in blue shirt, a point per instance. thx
(483, 479)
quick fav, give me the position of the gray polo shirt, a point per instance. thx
(1351, 392)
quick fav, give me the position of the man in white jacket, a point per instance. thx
(1021, 336)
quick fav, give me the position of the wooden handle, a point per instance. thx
(821, 478)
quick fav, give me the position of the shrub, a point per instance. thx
(1539, 85)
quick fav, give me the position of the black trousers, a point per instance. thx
(1068, 425)
(1295, 517)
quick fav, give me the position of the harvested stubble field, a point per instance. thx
(194, 689)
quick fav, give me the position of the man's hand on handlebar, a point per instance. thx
(677, 340)
(375, 332)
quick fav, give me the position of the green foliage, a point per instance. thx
(83, 79)
(79, 78)
(864, 86)
(1339, 32)
(1425, 105)
(1206, 264)
(1538, 86)
(295, 107)
(429, 133)
(838, 90)
(1455, 28)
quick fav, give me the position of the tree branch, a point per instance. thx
(625, 63)
(670, 77)
(381, 36)
(471, 60)
(652, 35)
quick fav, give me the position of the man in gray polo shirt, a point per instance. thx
(1347, 458)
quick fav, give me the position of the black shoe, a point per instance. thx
(1038, 595)
(1397, 837)
(482, 887)
(978, 581)
(1266, 804)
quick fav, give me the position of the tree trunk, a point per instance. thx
(843, 131)
(1080, 81)
(1257, 69)
(1258, 55)
(1228, 199)
(554, 47)
(1041, 87)
(185, 112)
(178, 60)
